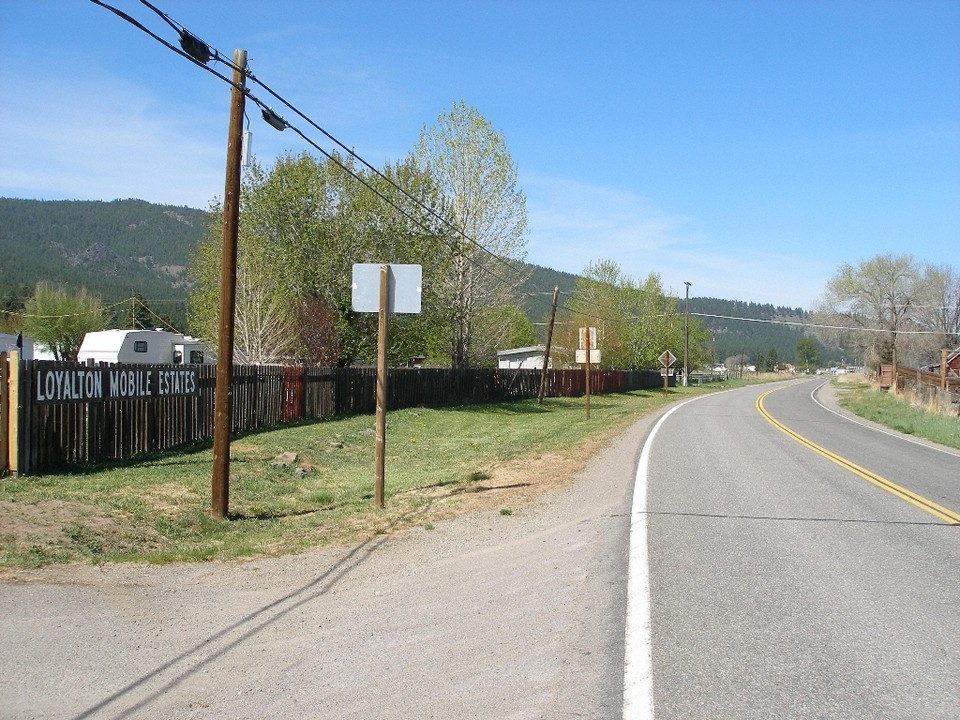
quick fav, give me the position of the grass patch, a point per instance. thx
(309, 485)
(898, 414)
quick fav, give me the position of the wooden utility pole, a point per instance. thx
(546, 354)
(381, 424)
(223, 399)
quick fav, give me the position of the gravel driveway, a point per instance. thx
(487, 616)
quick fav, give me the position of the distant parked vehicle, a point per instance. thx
(144, 347)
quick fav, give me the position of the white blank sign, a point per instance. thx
(404, 287)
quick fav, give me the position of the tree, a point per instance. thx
(892, 304)
(501, 328)
(808, 354)
(59, 320)
(469, 162)
(636, 321)
(940, 305)
(304, 223)
(736, 364)
(878, 296)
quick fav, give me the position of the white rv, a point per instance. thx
(144, 347)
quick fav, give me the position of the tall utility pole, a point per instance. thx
(686, 332)
(546, 354)
(223, 399)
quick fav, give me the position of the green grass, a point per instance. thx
(158, 510)
(898, 414)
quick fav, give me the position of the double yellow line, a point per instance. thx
(938, 511)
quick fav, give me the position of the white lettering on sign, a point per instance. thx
(66, 385)
(69, 385)
(131, 384)
(176, 382)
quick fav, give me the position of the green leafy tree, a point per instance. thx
(808, 354)
(304, 223)
(636, 321)
(508, 327)
(59, 320)
(468, 161)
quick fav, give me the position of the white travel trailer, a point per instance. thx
(144, 347)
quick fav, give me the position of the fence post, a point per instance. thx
(4, 410)
(12, 407)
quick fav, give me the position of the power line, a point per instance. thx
(199, 52)
(852, 328)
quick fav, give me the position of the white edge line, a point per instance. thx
(638, 658)
(891, 433)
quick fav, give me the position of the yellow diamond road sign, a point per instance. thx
(667, 358)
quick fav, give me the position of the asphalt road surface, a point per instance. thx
(782, 585)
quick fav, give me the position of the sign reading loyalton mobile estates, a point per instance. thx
(59, 385)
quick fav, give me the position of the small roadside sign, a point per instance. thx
(667, 358)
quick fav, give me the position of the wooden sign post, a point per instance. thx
(383, 289)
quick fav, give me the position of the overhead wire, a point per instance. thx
(187, 37)
(280, 123)
(283, 123)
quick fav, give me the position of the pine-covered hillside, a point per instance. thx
(125, 247)
(752, 329)
(113, 249)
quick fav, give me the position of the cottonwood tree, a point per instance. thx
(304, 223)
(59, 319)
(468, 161)
(939, 308)
(878, 302)
(636, 321)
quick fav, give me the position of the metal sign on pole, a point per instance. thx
(397, 289)
(588, 344)
(666, 359)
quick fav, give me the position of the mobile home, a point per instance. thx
(144, 347)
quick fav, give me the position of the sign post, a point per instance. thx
(588, 343)
(666, 359)
(383, 289)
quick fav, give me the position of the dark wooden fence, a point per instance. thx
(62, 427)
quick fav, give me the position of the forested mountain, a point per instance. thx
(752, 329)
(119, 248)
(537, 292)
(114, 249)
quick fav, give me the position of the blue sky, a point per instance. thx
(748, 148)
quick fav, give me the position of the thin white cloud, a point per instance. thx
(572, 224)
(66, 141)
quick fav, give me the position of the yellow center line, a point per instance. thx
(938, 511)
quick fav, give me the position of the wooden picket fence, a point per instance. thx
(45, 432)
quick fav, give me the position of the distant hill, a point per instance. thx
(537, 292)
(115, 249)
(112, 248)
(752, 328)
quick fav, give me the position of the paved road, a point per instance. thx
(782, 586)
(785, 586)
